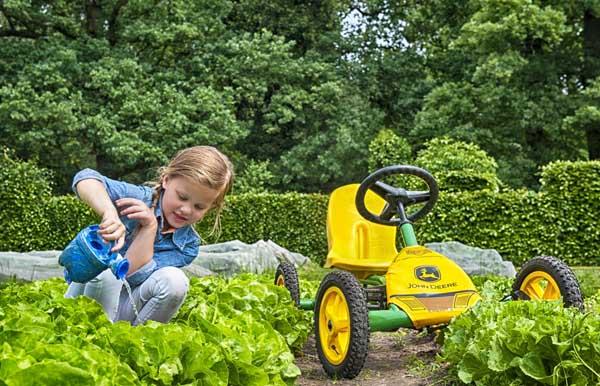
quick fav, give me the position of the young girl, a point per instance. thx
(153, 229)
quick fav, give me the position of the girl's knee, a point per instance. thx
(172, 283)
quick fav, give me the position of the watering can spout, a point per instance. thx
(119, 267)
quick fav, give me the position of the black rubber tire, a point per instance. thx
(290, 278)
(560, 272)
(359, 325)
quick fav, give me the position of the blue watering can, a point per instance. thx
(87, 255)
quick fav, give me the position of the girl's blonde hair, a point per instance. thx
(202, 164)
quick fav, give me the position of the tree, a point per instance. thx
(113, 113)
(389, 69)
(121, 85)
(507, 74)
(591, 70)
(312, 25)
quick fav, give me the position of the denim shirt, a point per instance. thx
(176, 249)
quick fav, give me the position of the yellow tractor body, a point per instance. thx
(430, 288)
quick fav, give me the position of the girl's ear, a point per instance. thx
(165, 182)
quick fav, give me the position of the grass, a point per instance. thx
(589, 280)
(312, 272)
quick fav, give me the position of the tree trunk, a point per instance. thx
(113, 22)
(92, 14)
(591, 50)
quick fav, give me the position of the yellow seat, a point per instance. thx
(356, 244)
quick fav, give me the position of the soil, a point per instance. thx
(405, 358)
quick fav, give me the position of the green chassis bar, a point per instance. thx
(380, 320)
(389, 320)
(374, 280)
(307, 304)
(408, 235)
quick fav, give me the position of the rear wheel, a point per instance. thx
(341, 325)
(548, 278)
(287, 276)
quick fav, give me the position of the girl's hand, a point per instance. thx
(111, 228)
(137, 210)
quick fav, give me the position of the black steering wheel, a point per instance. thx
(397, 199)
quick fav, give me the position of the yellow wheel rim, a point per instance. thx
(334, 325)
(280, 281)
(540, 285)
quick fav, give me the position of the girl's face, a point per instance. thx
(185, 202)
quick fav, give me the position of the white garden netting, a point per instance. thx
(235, 257)
(225, 259)
(473, 260)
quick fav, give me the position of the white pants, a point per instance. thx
(157, 298)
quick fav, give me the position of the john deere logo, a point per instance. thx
(427, 273)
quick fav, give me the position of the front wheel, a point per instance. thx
(548, 278)
(341, 325)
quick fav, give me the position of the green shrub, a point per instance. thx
(571, 180)
(30, 217)
(67, 216)
(25, 190)
(255, 178)
(388, 149)
(459, 166)
(570, 193)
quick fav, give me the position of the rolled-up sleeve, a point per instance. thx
(86, 174)
(140, 276)
(115, 189)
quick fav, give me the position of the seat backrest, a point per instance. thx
(351, 236)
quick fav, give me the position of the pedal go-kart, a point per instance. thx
(377, 288)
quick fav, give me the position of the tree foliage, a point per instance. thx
(508, 73)
(300, 87)
(121, 85)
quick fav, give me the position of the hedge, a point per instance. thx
(293, 220)
(560, 220)
(23, 192)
